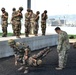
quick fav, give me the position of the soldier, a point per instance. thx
(32, 21)
(18, 15)
(21, 52)
(36, 23)
(22, 55)
(4, 18)
(62, 48)
(43, 22)
(13, 20)
(27, 22)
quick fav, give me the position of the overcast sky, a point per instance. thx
(54, 7)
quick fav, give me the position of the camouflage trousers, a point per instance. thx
(27, 28)
(62, 58)
(4, 28)
(32, 28)
(13, 27)
(43, 27)
(17, 28)
(36, 25)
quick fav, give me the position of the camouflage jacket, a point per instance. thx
(4, 16)
(63, 41)
(36, 18)
(13, 18)
(27, 17)
(43, 17)
(20, 49)
(18, 17)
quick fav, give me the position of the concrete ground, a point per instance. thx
(47, 68)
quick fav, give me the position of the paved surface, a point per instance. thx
(47, 68)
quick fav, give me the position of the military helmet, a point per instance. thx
(39, 62)
(21, 8)
(28, 10)
(11, 42)
(38, 12)
(45, 11)
(3, 9)
(14, 9)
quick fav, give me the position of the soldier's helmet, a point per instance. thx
(3, 9)
(14, 9)
(45, 11)
(38, 12)
(28, 10)
(21, 8)
(11, 42)
(39, 62)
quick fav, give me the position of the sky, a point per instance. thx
(54, 7)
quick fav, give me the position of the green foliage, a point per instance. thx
(72, 36)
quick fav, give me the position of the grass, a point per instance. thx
(10, 34)
(72, 36)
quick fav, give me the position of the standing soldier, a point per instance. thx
(43, 22)
(36, 23)
(62, 48)
(13, 20)
(18, 15)
(32, 21)
(4, 18)
(27, 22)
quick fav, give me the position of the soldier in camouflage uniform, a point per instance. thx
(21, 52)
(27, 22)
(13, 20)
(18, 16)
(4, 19)
(43, 22)
(22, 55)
(36, 23)
(62, 48)
(32, 21)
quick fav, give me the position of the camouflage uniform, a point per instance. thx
(18, 16)
(13, 20)
(36, 23)
(62, 48)
(43, 22)
(27, 24)
(19, 50)
(36, 59)
(4, 19)
(32, 21)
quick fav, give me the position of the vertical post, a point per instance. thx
(28, 4)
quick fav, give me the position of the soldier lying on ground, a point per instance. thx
(22, 55)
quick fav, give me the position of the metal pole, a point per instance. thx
(28, 4)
